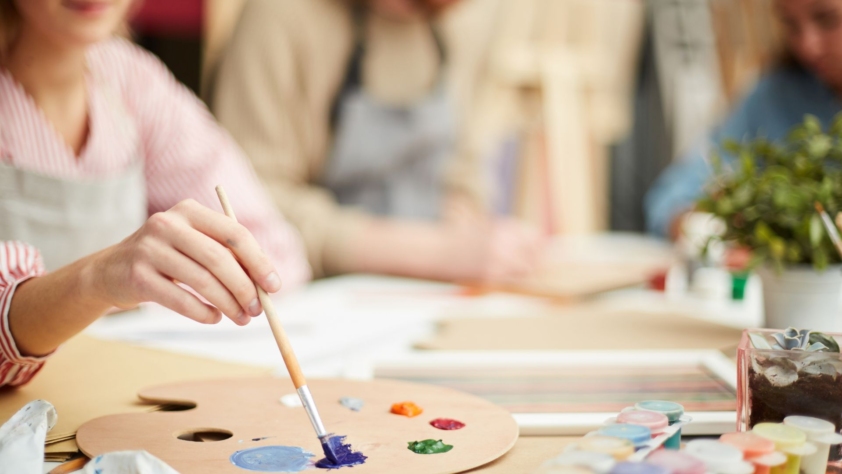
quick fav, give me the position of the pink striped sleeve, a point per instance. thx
(18, 263)
(187, 154)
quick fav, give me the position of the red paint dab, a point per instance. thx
(447, 424)
(407, 409)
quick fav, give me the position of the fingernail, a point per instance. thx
(254, 307)
(273, 283)
(240, 315)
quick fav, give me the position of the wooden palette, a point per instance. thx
(249, 408)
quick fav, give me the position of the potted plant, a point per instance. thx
(790, 372)
(765, 196)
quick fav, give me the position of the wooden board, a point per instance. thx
(583, 329)
(574, 392)
(249, 408)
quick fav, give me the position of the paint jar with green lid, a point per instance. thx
(673, 411)
(822, 434)
(788, 440)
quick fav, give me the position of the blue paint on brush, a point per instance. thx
(272, 459)
(345, 456)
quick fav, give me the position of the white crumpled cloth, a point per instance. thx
(127, 462)
(22, 447)
(22, 438)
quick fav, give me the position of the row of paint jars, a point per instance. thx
(799, 445)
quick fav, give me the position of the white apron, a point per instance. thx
(387, 159)
(66, 220)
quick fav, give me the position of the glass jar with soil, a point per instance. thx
(785, 373)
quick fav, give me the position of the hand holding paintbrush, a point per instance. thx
(337, 454)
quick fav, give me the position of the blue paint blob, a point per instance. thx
(345, 456)
(272, 459)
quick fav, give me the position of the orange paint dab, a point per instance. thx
(407, 409)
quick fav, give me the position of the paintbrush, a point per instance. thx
(328, 441)
(830, 227)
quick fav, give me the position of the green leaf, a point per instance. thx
(822, 338)
(812, 124)
(819, 259)
(777, 248)
(819, 146)
(816, 230)
(836, 126)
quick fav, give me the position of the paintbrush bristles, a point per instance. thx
(819, 207)
(290, 360)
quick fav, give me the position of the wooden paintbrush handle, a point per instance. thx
(290, 360)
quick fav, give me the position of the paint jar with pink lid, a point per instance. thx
(677, 462)
(756, 449)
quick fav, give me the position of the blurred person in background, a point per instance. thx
(809, 81)
(100, 149)
(344, 109)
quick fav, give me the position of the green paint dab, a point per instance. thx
(429, 446)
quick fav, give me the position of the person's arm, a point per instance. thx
(19, 263)
(260, 99)
(189, 244)
(680, 185)
(187, 153)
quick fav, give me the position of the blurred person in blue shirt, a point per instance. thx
(809, 83)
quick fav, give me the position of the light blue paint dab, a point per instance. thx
(273, 459)
(351, 403)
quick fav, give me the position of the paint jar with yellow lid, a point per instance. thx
(788, 440)
(822, 434)
(618, 448)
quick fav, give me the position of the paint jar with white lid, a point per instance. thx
(574, 462)
(677, 462)
(720, 458)
(820, 433)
